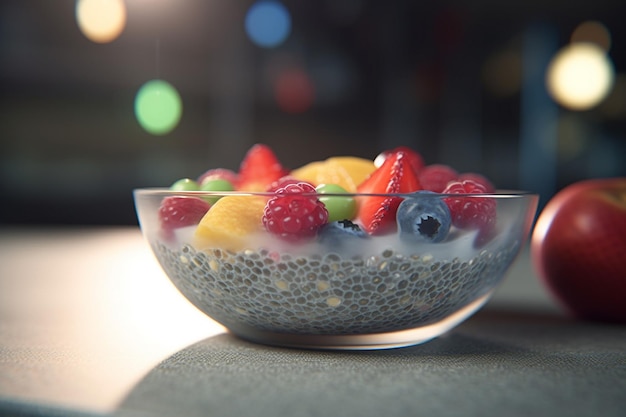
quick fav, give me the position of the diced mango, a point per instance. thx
(345, 171)
(230, 222)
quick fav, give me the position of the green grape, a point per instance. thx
(185, 184)
(339, 208)
(216, 185)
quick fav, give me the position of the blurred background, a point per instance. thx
(99, 97)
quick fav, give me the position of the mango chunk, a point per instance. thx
(230, 223)
(345, 171)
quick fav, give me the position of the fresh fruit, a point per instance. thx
(417, 162)
(346, 171)
(436, 177)
(320, 192)
(230, 222)
(423, 217)
(218, 174)
(377, 214)
(578, 248)
(339, 207)
(481, 179)
(470, 212)
(259, 168)
(340, 233)
(216, 185)
(185, 184)
(175, 211)
(292, 215)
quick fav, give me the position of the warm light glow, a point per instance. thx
(158, 107)
(294, 91)
(580, 76)
(101, 21)
(268, 23)
(592, 32)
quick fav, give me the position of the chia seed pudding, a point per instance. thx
(325, 292)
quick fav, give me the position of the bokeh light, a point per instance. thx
(580, 76)
(158, 107)
(101, 21)
(294, 91)
(268, 23)
(592, 32)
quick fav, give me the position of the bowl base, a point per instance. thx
(369, 341)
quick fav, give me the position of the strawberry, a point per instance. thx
(377, 214)
(417, 162)
(260, 168)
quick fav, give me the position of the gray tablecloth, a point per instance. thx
(499, 363)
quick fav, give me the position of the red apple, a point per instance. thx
(578, 248)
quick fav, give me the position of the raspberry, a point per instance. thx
(291, 215)
(218, 174)
(176, 212)
(282, 182)
(481, 179)
(470, 212)
(435, 177)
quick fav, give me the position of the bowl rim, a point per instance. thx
(498, 194)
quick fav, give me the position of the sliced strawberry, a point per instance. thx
(259, 168)
(377, 214)
(417, 162)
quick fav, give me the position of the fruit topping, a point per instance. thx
(470, 212)
(394, 193)
(177, 211)
(377, 214)
(230, 221)
(436, 177)
(423, 218)
(339, 207)
(341, 232)
(417, 162)
(259, 168)
(294, 212)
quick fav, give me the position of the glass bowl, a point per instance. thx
(379, 291)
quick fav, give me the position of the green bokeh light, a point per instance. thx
(158, 107)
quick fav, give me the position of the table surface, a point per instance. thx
(90, 326)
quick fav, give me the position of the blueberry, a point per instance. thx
(423, 217)
(339, 232)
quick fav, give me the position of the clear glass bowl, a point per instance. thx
(372, 293)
